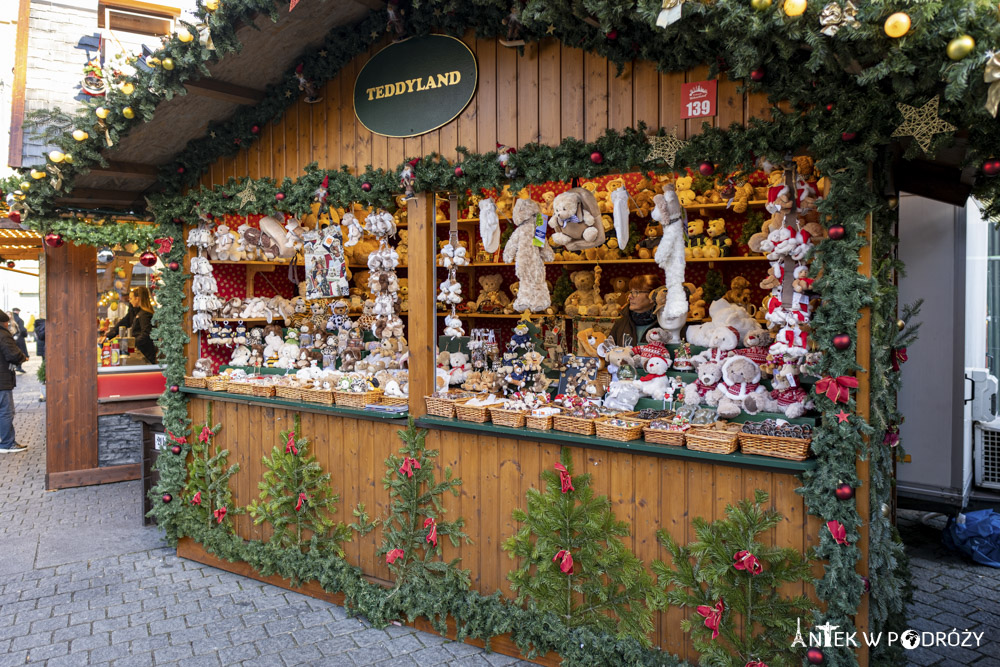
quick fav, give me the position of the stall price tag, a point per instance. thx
(698, 99)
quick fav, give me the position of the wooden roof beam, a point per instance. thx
(227, 92)
(128, 169)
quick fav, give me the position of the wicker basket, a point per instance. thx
(794, 449)
(349, 399)
(573, 424)
(661, 436)
(472, 413)
(711, 440)
(509, 418)
(305, 394)
(394, 400)
(538, 423)
(249, 389)
(217, 383)
(195, 383)
(621, 433)
(440, 406)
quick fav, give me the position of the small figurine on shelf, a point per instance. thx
(721, 243)
(407, 178)
(394, 23)
(339, 318)
(514, 27)
(521, 338)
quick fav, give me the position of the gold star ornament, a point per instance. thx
(922, 123)
(247, 195)
(665, 148)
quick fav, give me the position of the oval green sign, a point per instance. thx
(412, 87)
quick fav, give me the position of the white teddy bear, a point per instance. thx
(656, 384)
(453, 327)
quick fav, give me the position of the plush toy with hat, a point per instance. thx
(655, 383)
(740, 389)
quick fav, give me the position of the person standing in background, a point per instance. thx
(11, 357)
(19, 335)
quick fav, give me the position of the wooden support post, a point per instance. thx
(422, 322)
(863, 404)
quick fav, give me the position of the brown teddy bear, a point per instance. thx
(491, 297)
(695, 247)
(651, 238)
(576, 220)
(529, 259)
(587, 294)
(718, 238)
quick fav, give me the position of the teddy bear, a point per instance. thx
(576, 220)
(403, 247)
(695, 246)
(546, 204)
(586, 296)
(529, 259)
(702, 390)
(443, 370)
(651, 238)
(721, 244)
(589, 341)
(618, 293)
(453, 326)
(505, 203)
(458, 368)
(610, 250)
(696, 302)
(682, 185)
(655, 382)
(491, 297)
(786, 395)
(357, 255)
(653, 347)
(202, 368)
(739, 291)
(719, 341)
(740, 389)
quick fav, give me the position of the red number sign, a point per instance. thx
(698, 99)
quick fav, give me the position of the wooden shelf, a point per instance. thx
(757, 203)
(276, 262)
(744, 258)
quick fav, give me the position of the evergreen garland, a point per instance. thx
(207, 489)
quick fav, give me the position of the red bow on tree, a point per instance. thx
(206, 433)
(838, 532)
(302, 499)
(220, 514)
(290, 445)
(564, 479)
(713, 616)
(179, 441)
(409, 464)
(166, 243)
(432, 535)
(565, 559)
(391, 557)
(898, 358)
(836, 389)
(196, 499)
(747, 561)
(891, 436)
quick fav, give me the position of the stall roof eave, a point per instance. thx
(269, 50)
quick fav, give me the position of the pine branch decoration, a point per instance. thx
(568, 545)
(207, 487)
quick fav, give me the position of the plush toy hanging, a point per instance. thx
(619, 202)
(489, 225)
(576, 220)
(669, 254)
(527, 248)
(203, 285)
(451, 289)
(383, 282)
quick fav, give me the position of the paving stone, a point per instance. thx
(236, 654)
(368, 655)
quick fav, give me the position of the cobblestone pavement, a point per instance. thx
(83, 583)
(949, 591)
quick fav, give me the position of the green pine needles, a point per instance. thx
(731, 580)
(207, 488)
(573, 562)
(296, 499)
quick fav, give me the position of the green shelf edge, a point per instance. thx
(571, 439)
(307, 407)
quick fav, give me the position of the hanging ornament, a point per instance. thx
(990, 168)
(459, 173)
(960, 47)
(885, 510)
(128, 113)
(184, 35)
(848, 136)
(176, 449)
(147, 259)
(897, 25)
(834, 17)
(167, 63)
(757, 74)
(841, 341)
(105, 255)
(844, 491)
(280, 196)
(842, 417)
(80, 135)
(101, 112)
(10, 264)
(174, 266)
(596, 157)
(760, 5)
(180, 170)
(53, 240)
(665, 147)
(815, 656)
(892, 203)
(68, 158)
(174, 389)
(255, 129)
(836, 232)
(706, 168)
(366, 187)
(867, 583)
(36, 174)
(247, 194)
(670, 12)
(922, 123)
(57, 156)
(829, 107)
(167, 497)
(126, 87)
(795, 7)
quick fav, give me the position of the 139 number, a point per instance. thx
(700, 108)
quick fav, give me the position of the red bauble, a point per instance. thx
(867, 583)
(10, 265)
(167, 497)
(366, 186)
(848, 136)
(180, 170)
(173, 266)
(255, 129)
(815, 656)
(706, 168)
(459, 172)
(829, 107)
(612, 35)
(280, 196)
(53, 240)
(757, 74)
(147, 258)
(176, 449)
(991, 167)
(14, 216)
(596, 157)
(844, 491)
(841, 341)
(836, 232)
(174, 388)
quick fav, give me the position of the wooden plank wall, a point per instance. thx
(648, 492)
(552, 91)
(71, 400)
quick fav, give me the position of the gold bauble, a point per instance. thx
(900, 324)
(167, 63)
(211, 5)
(897, 24)
(886, 511)
(184, 35)
(760, 5)
(68, 158)
(101, 112)
(128, 113)
(80, 135)
(57, 156)
(127, 88)
(35, 174)
(25, 185)
(893, 202)
(960, 47)
(795, 7)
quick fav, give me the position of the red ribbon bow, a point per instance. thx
(836, 389)
(713, 616)
(565, 559)
(302, 499)
(898, 358)
(838, 532)
(206, 433)
(891, 437)
(409, 464)
(166, 243)
(179, 441)
(747, 561)
(391, 557)
(565, 481)
(432, 535)
(220, 514)
(196, 499)
(290, 445)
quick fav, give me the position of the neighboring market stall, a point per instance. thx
(624, 177)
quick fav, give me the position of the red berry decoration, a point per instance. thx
(991, 167)
(596, 157)
(167, 497)
(174, 266)
(255, 129)
(280, 196)
(706, 168)
(841, 341)
(174, 388)
(836, 232)
(757, 74)
(176, 449)
(180, 170)
(366, 186)
(612, 35)
(53, 240)
(147, 258)
(10, 264)
(815, 656)
(848, 136)
(844, 491)
(829, 107)
(459, 172)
